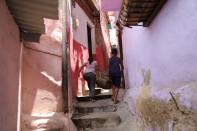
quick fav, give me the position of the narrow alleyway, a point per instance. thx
(44, 44)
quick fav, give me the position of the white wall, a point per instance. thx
(168, 47)
(80, 34)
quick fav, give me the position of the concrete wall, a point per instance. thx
(168, 47)
(42, 80)
(79, 56)
(10, 48)
(80, 34)
(41, 77)
(42, 100)
(79, 48)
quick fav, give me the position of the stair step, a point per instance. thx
(41, 122)
(97, 97)
(103, 129)
(96, 120)
(96, 91)
(98, 106)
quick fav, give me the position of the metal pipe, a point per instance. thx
(65, 46)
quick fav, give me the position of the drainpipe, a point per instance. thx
(65, 48)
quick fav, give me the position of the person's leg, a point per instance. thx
(113, 92)
(116, 95)
(87, 77)
(117, 85)
(91, 79)
(113, 87)
(89, 87)
(92, 84)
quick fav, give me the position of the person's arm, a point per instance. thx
(121, 65)
(109, 61)
(80, 69)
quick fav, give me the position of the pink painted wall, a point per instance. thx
(101, 59)
(79, 56)
(111, 5)
(80, 34)
(42, 100)
(105, 33)
(41, 74)
(10, 48)
(79, 49)
(168, 47)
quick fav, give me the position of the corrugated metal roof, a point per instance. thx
(29, 14)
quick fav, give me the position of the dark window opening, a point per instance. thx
(89, 41)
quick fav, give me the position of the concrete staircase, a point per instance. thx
(90, 116)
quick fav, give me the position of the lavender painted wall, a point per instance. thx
(168, 47)
(10, 48)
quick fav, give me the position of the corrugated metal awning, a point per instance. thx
(29, 14)
(139, 12)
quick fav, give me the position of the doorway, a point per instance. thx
(89, 34)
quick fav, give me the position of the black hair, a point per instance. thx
(90, 59)
(114, 51)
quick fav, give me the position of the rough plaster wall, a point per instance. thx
(41, 78)
(10, 49)
(41, 83)
(168, 47)
(80, 34)
(42, 101)
(105, 32)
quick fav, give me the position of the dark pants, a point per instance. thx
(91, 79)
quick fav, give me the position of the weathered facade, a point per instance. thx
(31, 81)
(39, 78)
(88, 40)
(10, 57)
(160, 63)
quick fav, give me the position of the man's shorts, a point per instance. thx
(116, 80)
